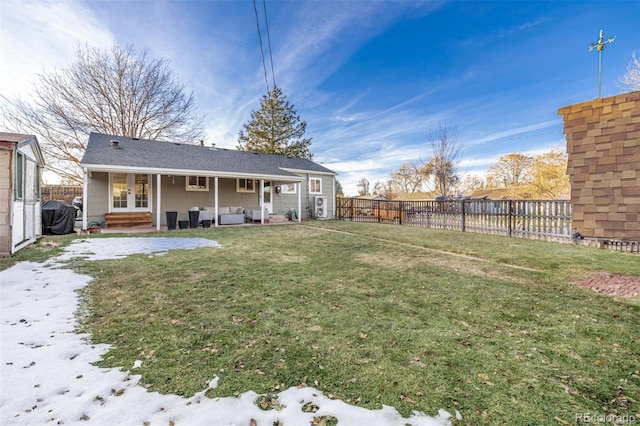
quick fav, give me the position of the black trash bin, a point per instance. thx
(172, 219)
(193, 218)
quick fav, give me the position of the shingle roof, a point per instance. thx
(158, 155)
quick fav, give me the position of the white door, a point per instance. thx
(130, 192)
(267, 196)
(30, 200)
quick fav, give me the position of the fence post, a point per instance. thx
(462, 221)
(510, 217)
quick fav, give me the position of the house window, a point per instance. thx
(120, 190)
(142, 191)
(36, 184)
(288, 188)
(197, 183)
(315, 186)
(19, 177)
(245, 185)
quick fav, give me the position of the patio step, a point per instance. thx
(276, 218)
(127, 219)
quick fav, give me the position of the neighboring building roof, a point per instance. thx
(377, 197)
(102, 153)
(492, 194)
(416, 196)
(523, 193)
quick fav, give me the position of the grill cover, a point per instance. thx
(58, 217)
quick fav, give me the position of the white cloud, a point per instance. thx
(521, 130)
(38, 35)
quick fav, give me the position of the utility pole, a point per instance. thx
(599, 46)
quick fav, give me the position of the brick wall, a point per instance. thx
(603, 143)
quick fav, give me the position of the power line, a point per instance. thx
(266, 21)
(264, 66)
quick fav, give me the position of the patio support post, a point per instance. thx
(85, 198)
(299, 191)
(261, 202)
(215, 200)
(158, 202)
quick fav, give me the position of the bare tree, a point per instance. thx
(363, 187)
(550, 178)
(632, 77)
(469, 184)
(114, 91)
(511, 170)
(379, 188)
(442, 167)
(407, 179)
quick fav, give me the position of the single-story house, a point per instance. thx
(21, 164)
(124, 175)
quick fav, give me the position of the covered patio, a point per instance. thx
(131, 192)
(273, 220)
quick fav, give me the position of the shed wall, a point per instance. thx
(603, 143)
(6, 171)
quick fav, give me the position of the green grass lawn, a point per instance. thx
(373, 314)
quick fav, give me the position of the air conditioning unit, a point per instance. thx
(321, 206)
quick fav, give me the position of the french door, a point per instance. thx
(130, 192)
(268, 202)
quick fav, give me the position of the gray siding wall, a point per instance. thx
(98, 202)
(176, 198)
(283, 202)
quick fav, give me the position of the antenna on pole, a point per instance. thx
(599, 46)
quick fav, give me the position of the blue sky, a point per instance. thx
(370, 78)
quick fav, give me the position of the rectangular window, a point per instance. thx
(288, 188)
(315, 186)
(142, 191)
(37, 187)
(245, 185)
(18, 180)
(119, 191)
(197, 183)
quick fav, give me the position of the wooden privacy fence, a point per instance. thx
(535, 219)
(61, 192)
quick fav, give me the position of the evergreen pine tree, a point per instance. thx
(275, 128)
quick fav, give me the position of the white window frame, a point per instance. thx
(245, 182)
(311, 185)
(19, 176)
(197, 187)
(37, 184)
(288, 189)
